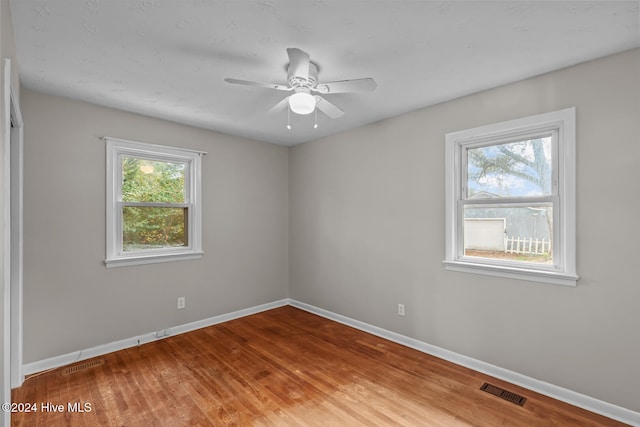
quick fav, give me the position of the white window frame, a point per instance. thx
(561, 125)
(118, 148)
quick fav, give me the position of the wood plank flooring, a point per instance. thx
(282, 367)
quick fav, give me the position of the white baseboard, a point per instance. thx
(577, 399)
(76, 356)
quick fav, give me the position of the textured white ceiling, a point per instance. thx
(169, 58)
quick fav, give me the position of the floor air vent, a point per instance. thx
(503, 394)
(81, 366)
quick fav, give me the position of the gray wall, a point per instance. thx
(71, 301)
(367, 233)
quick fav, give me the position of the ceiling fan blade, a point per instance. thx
(342, 86)
(328, 108)
(279, 106)
(298, 63)
(257, 84)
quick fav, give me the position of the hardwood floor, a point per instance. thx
(282, 367)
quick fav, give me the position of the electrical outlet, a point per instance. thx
(160, 333)
(400, 309)
(181, 303)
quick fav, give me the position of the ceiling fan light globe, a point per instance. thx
(302, 103)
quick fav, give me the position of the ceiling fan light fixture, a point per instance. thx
(302, 103)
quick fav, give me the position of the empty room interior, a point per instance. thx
(320, 212)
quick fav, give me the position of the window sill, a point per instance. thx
(150, 259)
(550, 277)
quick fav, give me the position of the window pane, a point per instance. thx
(522, 233)
(151, 227)
(521, 168)
(152, 181)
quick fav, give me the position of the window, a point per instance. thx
(510, 199)
(153, 203)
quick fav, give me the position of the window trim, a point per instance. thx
(115, 150)
(563, 195)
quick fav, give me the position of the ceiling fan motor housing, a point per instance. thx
(296, 82)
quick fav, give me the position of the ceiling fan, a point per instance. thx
(302, 79)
